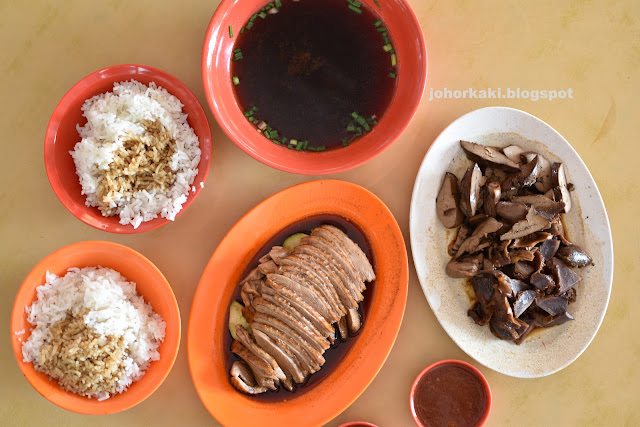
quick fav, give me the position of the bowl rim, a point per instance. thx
(210, 302)
(119, 73)
(475, 371)
(68, 400)
(341, 165)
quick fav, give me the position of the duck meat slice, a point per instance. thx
(573, 256)
(448, 202)
(356, 255)
(309, 334)
(488, 156)
(303, 307)
(288, 363)
(308, 294)
(524, 178)
(242, 379)
(262, 371)
(247, 341)
(514, 153)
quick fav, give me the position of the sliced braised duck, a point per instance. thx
(511, 243)
(302, 298)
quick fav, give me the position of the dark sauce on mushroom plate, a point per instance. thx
(314, 75)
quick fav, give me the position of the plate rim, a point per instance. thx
(607, 243)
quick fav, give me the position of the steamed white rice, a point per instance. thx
(112, 118)
(112, 306)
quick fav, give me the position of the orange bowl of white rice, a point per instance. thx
(95, 327)
(127, 148)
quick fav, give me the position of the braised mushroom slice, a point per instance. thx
(560, 190)
(463, 234)
(559, 319)
(532, 239)
(448, 202)
(353, 320)
(573, 256)
(532, 223)
(470, 190)
(488, 156)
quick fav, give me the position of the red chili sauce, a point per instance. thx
(450, 395)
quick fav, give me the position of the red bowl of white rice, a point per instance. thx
(127, 148)
(95, 327)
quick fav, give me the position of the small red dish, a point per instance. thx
(450, 387)
(218, 88)
(62, 136)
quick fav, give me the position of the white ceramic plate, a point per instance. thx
(548, 350)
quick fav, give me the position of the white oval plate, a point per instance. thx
(545, 351)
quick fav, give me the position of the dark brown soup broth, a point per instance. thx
(310, 66)
(339, 349)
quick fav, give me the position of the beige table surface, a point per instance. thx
(592, 47)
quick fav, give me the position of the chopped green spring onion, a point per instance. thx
(262, 15)
(236, 80)
(275, 141)
(387, 47)
(344, 142)
(351, 128)
(382, 29)
(299, 147)
(253, 17)
(355, 9)
(377, 23)
(293, 141)
(284, 139)
(241, 30)
(377, 4)
(249, 25)
(322, 148)
(237, 51)
(354, 115)
(230, 31)
(311, 148)
(392, 75)
(393, 59)
(278, 4)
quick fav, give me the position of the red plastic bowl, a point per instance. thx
(62, 136)
(469, 367)
(216, 77)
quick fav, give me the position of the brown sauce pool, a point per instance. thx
(340, 348)
(450, 395)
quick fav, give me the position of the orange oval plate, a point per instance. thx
(361, 363)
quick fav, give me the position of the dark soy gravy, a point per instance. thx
(308, 67)
(337, 351)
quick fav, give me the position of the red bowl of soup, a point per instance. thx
(450, 392)
(223, 83)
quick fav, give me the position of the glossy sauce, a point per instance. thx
(308, 67)
(339, 349)
(450, 395)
